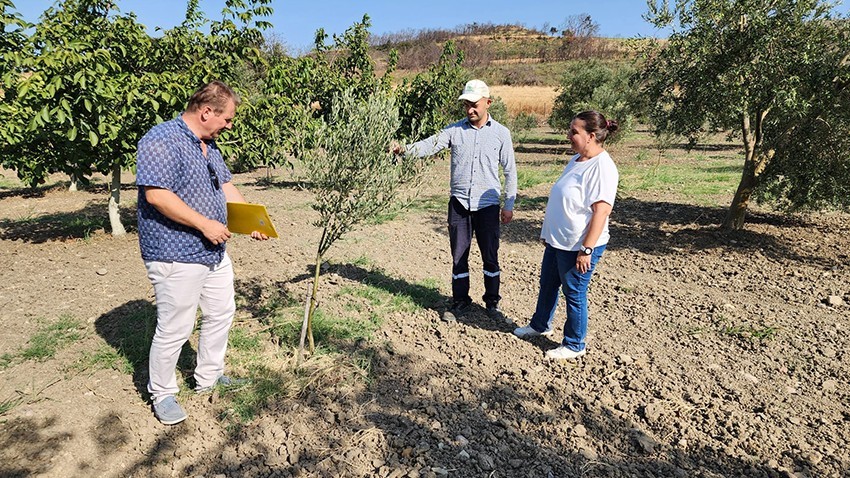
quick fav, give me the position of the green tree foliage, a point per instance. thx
(68, 90)
(429, 102)
(344, 66)
(774, 72)
(596, 85)
(810, 169)
(286, 85)
(351, 172)
(12, 37)
(83, 86)
(88, 82)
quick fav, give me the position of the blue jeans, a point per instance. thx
(558, 270)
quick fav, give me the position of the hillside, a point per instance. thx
(501, 54)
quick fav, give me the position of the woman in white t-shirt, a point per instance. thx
(575, 232)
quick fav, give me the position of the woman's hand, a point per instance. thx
(583, 262)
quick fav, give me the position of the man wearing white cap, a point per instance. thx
(479, 146)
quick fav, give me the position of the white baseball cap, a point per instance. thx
(474, 91)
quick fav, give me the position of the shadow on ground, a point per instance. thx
(661, 228)
(129, 330)
(422, 295)
(398, 423)
(62, 226)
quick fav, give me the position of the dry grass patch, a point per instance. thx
(536, 100)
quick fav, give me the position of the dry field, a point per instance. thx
(536, 100)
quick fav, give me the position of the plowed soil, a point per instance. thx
(709, 355)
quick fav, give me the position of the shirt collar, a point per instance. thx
(185, 129)
(489, 122)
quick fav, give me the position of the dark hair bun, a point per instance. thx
(612, 126)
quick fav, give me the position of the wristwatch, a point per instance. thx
(585, 250)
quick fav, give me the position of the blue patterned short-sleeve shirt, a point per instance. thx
(169, 156)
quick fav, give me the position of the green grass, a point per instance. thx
(361, 261)
(135, 341)
(700, 182)
(359, 312)
(104, 358)
(527, 203)
(528, 178)
(342, 330)
(76, 224)
(10, 403)
(83, 226)
(6, 360)
(47, 341)
(277, 302)
(266, 386)
(244, 341)
(436, 203)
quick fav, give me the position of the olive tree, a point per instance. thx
(769, 71)
(352, 174)
(596, 85)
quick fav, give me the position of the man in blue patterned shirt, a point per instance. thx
(183, 189)
(479, 146)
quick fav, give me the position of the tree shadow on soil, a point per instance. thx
(256, 297)
(661, 228)
(41, 191)
(706, 147)
(399, 424)
(421, 295)
(535, 148)
(63, 226)
(264, 184)
(129, 330)
(32, 193)
(28, 445)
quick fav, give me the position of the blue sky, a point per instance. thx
(295, 22)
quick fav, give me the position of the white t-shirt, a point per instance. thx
(568, 211)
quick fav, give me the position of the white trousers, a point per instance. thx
(179, 289)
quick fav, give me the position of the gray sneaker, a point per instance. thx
(225, 382)
(168, 411)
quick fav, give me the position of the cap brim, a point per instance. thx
(473, 98)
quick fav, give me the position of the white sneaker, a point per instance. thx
(528, 331)
(563, 353)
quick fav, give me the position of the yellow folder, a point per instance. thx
(245, 218)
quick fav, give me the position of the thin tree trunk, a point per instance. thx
(310, 309)
(114, 200)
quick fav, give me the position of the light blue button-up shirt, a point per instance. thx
(476, 154)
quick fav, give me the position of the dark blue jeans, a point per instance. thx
(558, 270)
(484, 223)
